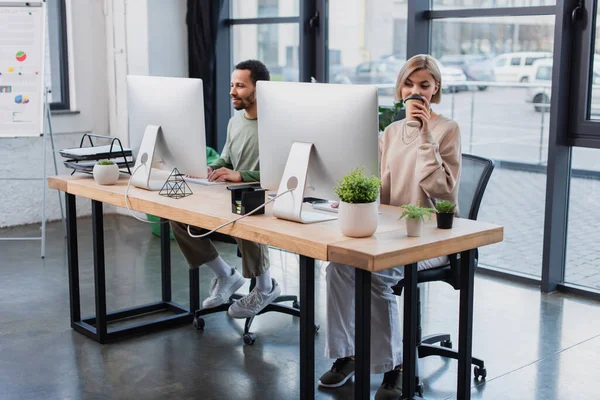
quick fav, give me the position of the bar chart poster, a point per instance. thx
(22, 35)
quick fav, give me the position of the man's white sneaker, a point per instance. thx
(221, 288)
(251, 304)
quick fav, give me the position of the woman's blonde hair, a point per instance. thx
(416, 63)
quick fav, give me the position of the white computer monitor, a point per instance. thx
(341, 122)
(176, 105)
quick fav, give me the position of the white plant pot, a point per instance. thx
(414, 226)
(358, 220)
(106, 174)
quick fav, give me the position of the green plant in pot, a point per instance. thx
(106, 172)
(387, 115)
(445, 213)
(414, 218)
(358, 193)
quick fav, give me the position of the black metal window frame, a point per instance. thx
(583, 132)
(570, 81)
(63, 58)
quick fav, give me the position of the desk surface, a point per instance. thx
(210, 206)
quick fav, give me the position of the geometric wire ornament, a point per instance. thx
(175, 187)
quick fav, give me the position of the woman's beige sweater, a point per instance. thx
(420, 166)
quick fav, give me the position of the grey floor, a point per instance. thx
(535, 346)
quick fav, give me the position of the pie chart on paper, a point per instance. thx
(21, 56)
(21, 99)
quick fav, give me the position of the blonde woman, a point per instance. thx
(417, 165)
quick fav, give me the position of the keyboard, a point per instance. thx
(325, 207)
(203, 181)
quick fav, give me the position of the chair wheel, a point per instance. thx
(446, 343)
(419, 389)
(296, 305)
(480, 373)
(198, 323)
(249, 338)
(317, 327)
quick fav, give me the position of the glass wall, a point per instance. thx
(457, 4)
(367, 43)
(274, 44)
(501, 105)
(583, 253)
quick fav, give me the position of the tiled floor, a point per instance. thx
(535, 346)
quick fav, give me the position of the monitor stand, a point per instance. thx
(143, 164)
(290, 207)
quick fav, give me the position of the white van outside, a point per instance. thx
(540, 95)
(517, 67)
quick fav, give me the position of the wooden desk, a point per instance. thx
(210, 206)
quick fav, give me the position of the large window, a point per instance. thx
(437, 4)
(275, 44)
(488, 64)
(583, 254)
(367, 43)
(57, 69)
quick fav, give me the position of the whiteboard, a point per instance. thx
(22, 45)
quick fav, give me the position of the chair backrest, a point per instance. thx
(475, 174)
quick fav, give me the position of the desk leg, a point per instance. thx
(409, 351)
(362, 332)
(73, 259)
(194, 280)
(465, 327)
(99, 270)
(165, 259)
(307, 328)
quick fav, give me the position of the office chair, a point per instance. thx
(249, 337)
(475, 174)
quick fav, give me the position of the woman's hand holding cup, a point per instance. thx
(418, 112)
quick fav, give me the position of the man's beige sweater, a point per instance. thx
(420, 166)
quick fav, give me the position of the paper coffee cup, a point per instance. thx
(409, 103)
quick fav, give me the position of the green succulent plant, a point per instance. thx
(444, 207)
(356, 187)
(105, 162)
(416, 212)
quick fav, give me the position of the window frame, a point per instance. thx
(583, 132)
(63, 58)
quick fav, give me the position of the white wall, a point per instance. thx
(167, 38)
(145, 37)
(108, 39)
(21, 201)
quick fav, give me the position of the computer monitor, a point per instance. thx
(341, 121)
(176, 106)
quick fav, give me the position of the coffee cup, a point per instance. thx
(409, 103)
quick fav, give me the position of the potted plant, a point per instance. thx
(414, 218)
(445, 213)
(106, 172)
(387, 115)
(358, 214)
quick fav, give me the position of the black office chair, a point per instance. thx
(475, 174)
(249, 337)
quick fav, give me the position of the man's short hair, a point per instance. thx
(258, 70)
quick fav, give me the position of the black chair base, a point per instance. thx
(249, 337)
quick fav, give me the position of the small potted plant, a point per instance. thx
(414, 218)
(106, 172)
(445, 213)
(387, 115)
(358, 214)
